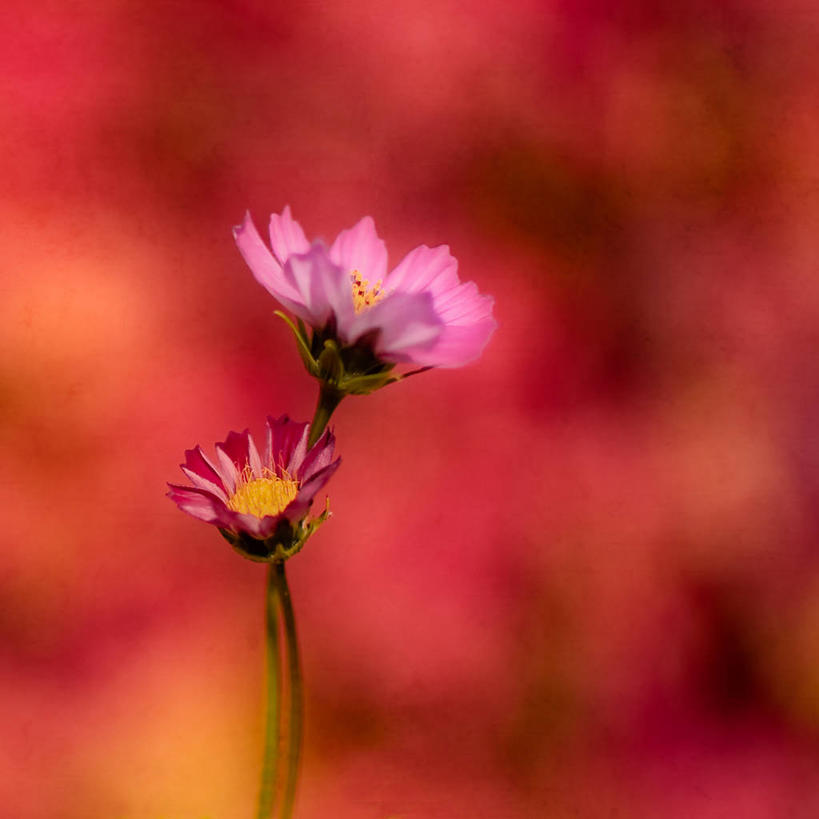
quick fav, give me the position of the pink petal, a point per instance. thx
(259, 528)
(468, 325)
(286, 236)
(236, 447)
(267, 455)
(253, 457)
(318, 457)
(458, 344)
(283, 435)
(359, 248)
(424, 268)
(310, 488)
(228, 470)
(266, 270)
(323, 288)
(198, 462)
(203, 483)
(297, 455)
(463, 304)
(197, 502)
(297, 508)
(201, 505)
(405, 320)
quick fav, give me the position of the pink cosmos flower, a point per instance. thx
(418, 313)
(259, 500)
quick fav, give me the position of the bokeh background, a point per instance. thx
(578, 578)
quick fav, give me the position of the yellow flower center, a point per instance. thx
(364, 296)
(268, 495)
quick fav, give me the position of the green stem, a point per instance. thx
(329, 398)
(272, 729)
(296, 695)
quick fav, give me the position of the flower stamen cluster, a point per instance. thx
(365, 296)
(267, 495)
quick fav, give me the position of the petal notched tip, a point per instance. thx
(239, 229)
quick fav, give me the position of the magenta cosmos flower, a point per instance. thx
(259, 500)
(418, 313)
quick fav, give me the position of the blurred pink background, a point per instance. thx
(578, 578)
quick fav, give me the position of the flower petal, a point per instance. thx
(424, 268)
(283, 436)
(266, 270)
(319, 456)
(198, 462)
(405, 321)
(323, 288)
(236, 446)
(253, 457)
(463, 304)
(259, 528)
(298, 453)
(468, 326)
(286, 236)
(203, 483)
(311, 487)
(359, 248)
(228, 470)
(301, 504)
(458, 344)
(199, 503)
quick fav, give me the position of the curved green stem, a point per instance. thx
(296, 694)
(329, 398)
(272, 729)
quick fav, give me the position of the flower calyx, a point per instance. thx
(348, 369)
(287, 540)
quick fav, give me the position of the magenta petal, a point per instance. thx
(286, 236)
(203, 483)
(267, 455)
(297, 509)
(199, 503)
(228, 470)
(359, 248)
(253, 460)
(298, 453)
(284, 436)
(318, 457)
(311, 487)
(304, 500)
(404, 321)
(237, 447)
(198, 462)
(433, 269)
(266, 270)
(323, 287)
(259, 528)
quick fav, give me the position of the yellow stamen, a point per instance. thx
(364, 296)
(268, 495)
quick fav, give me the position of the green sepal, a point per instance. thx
(330, 365)
(300, 334)
(365, 384)
(347, 369)
(308, 527)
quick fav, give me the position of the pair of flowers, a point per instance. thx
(363, 323)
